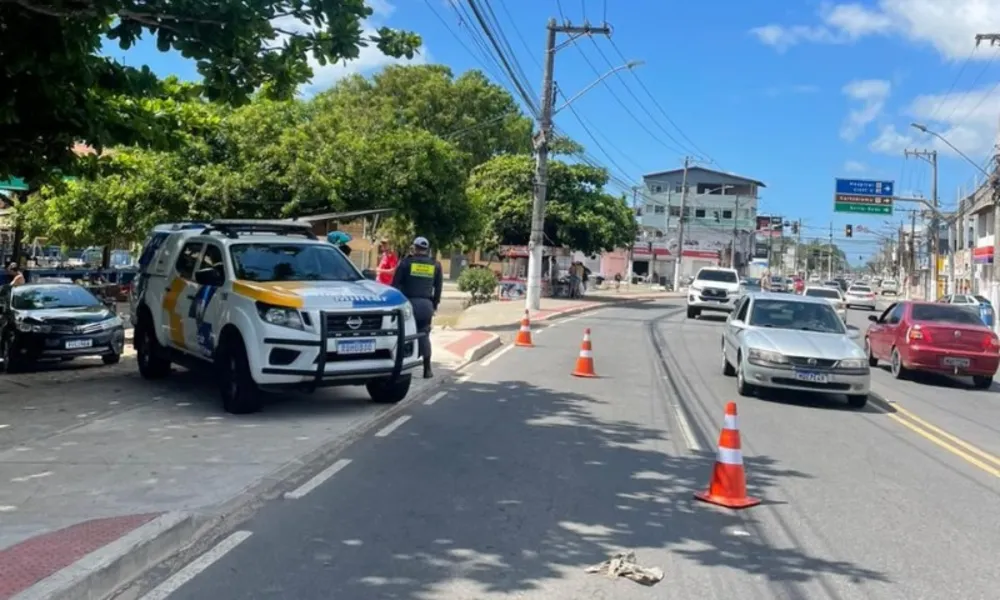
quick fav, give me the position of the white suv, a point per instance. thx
(714, 289)
(267, 305)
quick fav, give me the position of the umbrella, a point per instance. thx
(338, 238)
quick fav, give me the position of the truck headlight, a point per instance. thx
(852, 363)
(280, 316)
(766, 357)
(407, 312)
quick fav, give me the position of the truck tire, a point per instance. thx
(240, 394)
(149, 354)
(387, 391)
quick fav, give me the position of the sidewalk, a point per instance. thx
(505, 314)
(101, 478)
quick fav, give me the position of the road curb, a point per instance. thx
(599, 305)
(100, 573)
(174, 538)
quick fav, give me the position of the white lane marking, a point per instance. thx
(385, 431)
(30, 477)
(489, 360)
(4, 425)
(318, 480)
(7, 508)
(434, 398)
(197, 566)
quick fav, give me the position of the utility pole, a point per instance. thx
(829, 255)
(931, 156)
(913, 249)
(798, 245)
(994, 39)
(536, 244)
(680, 225)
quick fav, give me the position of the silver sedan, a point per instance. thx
(860, 295)
(794, 343)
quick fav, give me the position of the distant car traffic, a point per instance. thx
(779, 284)
(793, 343)
(714, 289)
(933, 337)
(750, 284)
(979, 304)
(56, 321)
(830, 283)
(831, 295)
(889, 287)
(860, 296)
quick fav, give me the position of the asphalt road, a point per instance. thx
(521, 476)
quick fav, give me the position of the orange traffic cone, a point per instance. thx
(729, 481)
(585, 362)
(524, 335)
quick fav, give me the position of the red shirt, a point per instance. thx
(388, 262)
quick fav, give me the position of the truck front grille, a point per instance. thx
(353, 323)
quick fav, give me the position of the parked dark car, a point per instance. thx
(56, 321)
(940, 338)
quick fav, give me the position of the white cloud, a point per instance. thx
(872, 94)
(369, 59)
(949, 26)
(853, 166)
(966, 119)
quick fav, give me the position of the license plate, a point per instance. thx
(356, 347)
(811, 377)
(77, 344)
(950, 361)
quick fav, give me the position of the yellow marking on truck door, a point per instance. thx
(175, 320)
(275, 293)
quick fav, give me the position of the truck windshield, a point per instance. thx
(720, 276)
(291, 262)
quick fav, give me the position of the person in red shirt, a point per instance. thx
(386, 263)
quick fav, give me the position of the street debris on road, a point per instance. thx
(623, 564)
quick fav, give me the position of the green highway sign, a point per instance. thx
(870, 209)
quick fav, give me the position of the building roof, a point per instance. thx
(703, 169)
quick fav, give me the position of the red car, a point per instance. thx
(941, 338)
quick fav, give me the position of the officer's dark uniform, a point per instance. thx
(419, 277)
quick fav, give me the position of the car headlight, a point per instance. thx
(695, 288)
(852, 363)
(30, 327)
(280, 316)
(767, 357)
(407, 311)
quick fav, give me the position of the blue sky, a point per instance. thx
(794, 94)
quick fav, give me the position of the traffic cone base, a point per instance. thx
(728, 486)
(585, 362)
(523, 338)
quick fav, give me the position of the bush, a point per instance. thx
(481, 284)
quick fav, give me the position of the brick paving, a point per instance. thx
(25, 564)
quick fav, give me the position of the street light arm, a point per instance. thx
(629, 65)
(924, 129)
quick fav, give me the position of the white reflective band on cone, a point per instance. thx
(728, 456)
(730, 423)
(586, 337)
(525, 328)
(586, 354)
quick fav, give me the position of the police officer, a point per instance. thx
(420, 279)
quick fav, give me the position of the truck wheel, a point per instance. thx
(693, 313)
(149, 353)
(387, 391)
(240, 394)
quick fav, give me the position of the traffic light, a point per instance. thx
(795, 228)
(848, 231)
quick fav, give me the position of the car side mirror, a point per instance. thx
(853, 332)
(369, 274)
(209, 276)
(737, 323)
(873, 318)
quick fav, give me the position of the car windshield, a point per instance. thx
(717, 275)
(889, 283)
(831, 284)
(751, 282)
(860, 289)
(982, 299)
(41, 297)
(823, 293)
(291, 262)
(945, 313)
(798, 315)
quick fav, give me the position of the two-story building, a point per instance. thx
(719, 219)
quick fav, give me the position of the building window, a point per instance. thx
(657, 189)
(660, 209)
(727, 214)
(675, 211)
(699, 213)
(679, 188)
(650, 208)
(687, 211)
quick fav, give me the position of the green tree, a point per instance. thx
(57, 89)
(579, 213)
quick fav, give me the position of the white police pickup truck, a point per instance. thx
(267, 306)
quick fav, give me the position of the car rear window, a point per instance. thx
(945, 313)
(823, 293)
(864, 289)
(717, 275)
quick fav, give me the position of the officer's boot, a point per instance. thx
(425, 353)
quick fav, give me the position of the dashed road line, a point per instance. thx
(385, 431)
(197, 566)
(318, 480)
(30, 477)
(4, 425)
(434, 398)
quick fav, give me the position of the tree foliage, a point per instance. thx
(57, 89)
(579, 213)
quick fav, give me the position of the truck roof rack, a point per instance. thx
(232, 228)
